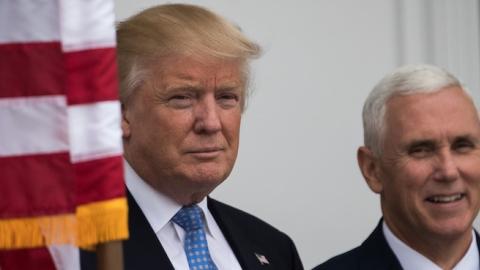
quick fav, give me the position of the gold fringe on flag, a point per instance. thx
(102, 222)
(91, 224)
(37, 232)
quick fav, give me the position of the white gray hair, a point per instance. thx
(406, 80)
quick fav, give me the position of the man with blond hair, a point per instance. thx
(183, 78)
(422, 156)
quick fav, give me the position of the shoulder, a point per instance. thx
(373, 253)
(246, 222)
(251, 235)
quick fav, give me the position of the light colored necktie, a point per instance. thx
(191, 220)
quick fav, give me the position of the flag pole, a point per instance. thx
(110, 256)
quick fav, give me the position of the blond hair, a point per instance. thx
(176, 29)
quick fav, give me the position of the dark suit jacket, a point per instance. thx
(246, 235)
(373, 254)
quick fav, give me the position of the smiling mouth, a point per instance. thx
(446, 198)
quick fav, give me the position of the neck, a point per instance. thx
(183, 194)
(444, 251)
(188, 199)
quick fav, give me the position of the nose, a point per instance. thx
(207, 118)
(446, 168)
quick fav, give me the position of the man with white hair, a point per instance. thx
(422, 156)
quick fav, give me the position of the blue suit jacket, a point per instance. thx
(373, 254)
(246, 235)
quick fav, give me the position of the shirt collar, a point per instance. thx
(210, 223)
(411, 259)
(471, 259)
(158, 208)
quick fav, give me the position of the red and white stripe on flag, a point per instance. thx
(60, 140)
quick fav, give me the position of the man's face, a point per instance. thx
(429, 171)
(181, 128)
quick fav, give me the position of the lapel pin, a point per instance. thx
(262, 259)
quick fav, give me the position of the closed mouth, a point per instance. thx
(205, 150)
(446, 198)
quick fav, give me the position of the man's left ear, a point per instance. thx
(369, 166)
(126, 131)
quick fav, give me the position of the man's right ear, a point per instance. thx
(370, 167)
(126, 129)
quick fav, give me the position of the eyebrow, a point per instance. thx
(433, 142)
(183, 85)
(468, 137)
(420, 142)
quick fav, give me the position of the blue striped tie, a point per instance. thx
(190, 218)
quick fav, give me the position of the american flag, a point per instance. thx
(61, 175)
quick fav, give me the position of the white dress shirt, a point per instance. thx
(160, 209)
(410, 259)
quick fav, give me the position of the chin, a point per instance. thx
(208, 178)
(212, 173)
(453, 227)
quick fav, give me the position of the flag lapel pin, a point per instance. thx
(262, 259)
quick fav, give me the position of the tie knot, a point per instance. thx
(189, 218)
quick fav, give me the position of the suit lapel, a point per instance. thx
(243, 246)
(376, 253)
(142, 250)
